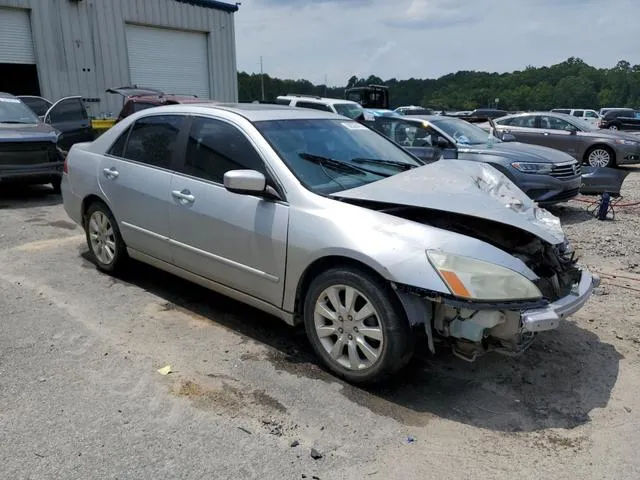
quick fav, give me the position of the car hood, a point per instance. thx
(41, 132)
(463, 187)
(516, 151)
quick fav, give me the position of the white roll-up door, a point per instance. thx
(16, 42)
(173, 61)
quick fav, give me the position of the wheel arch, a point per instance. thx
(87, 202)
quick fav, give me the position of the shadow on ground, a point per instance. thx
(556, 384)
(13, 196)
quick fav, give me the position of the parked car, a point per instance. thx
(589, 116)
(68, 115)
(38, 105)
(414, 110)
(546, 175)
(480, 114)
(346, 108)
(319, 220)
(28, 147)
(584, 142)
(137, 98)
(620, 119)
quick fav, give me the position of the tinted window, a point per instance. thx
(591, 114)
(561, 110)
(215, 147)
(553, 123)
(578, 113)
(138, 106)
(314, 106)
(525, 121)
(117, 149)
(152, 140)
(71, 110)
(283, 101)
(14, 111)
(38, 105)
(351, 110)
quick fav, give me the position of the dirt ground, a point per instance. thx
(80, 396)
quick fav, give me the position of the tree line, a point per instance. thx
(572, 83)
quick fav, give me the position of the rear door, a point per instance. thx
(524, 127)
(70, 118)
(135, 177)
(239, 241)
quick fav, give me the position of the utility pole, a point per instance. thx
(325, 84)
(261, 78)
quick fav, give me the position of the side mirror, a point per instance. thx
(508, 137)
(249, 182)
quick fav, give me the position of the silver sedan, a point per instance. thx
(319, 220)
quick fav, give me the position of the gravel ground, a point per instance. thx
(80, 395)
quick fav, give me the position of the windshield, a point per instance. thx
(328, 156)
(351, 110)
(464, 133)
(13, 110)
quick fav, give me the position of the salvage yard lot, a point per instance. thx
(81, 396)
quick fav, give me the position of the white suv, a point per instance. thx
(590, 116)
(346, 108)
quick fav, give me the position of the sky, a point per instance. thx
(335, 39)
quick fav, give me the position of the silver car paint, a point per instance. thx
(318, 226)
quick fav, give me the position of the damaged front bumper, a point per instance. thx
(548, 318)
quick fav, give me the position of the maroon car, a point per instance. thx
(140, 98)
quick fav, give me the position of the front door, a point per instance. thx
(559, 134)
(239, 241)
(135, 177)
(70, 118)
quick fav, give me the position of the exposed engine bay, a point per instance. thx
(473, 329)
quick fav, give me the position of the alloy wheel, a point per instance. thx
(349, 327)
(102, 237)
(599, 158)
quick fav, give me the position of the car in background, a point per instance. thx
(583, 141)
(589, 116)
(29, 152)
(137, 98)
(317, 219)
(620, 119)
(414, 110)
(545, 175)
(39, 105)
(480, 114)
(347, 108)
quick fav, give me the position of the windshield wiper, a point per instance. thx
(337, 164)
(388, 163)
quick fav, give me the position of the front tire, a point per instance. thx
(56, 183)
(356, 326)
(105, 243)
(600, 157)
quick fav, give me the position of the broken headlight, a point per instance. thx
(478, 280)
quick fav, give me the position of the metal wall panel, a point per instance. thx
(80, 47)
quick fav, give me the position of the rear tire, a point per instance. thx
(106, 246)
(614, 126)
(56, 183)
(356, 326)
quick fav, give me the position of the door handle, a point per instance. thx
(183, 195)
(111, 172)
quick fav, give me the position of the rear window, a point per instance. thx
(283, 101)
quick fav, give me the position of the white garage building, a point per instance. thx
(58, 48)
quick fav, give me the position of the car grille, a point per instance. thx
(27, 153)
(566, 195)
(566, 170)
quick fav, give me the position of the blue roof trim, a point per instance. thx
(227, 7)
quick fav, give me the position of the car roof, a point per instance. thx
(167, 98)
(6, 95)
(253, 112)
(311, 98)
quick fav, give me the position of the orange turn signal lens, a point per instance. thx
(455, 284)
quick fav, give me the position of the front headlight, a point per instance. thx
(532, 167)
(478, 280)
(622, 141)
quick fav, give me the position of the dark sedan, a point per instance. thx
(620, 119)
(544, 174)
(584, 142)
